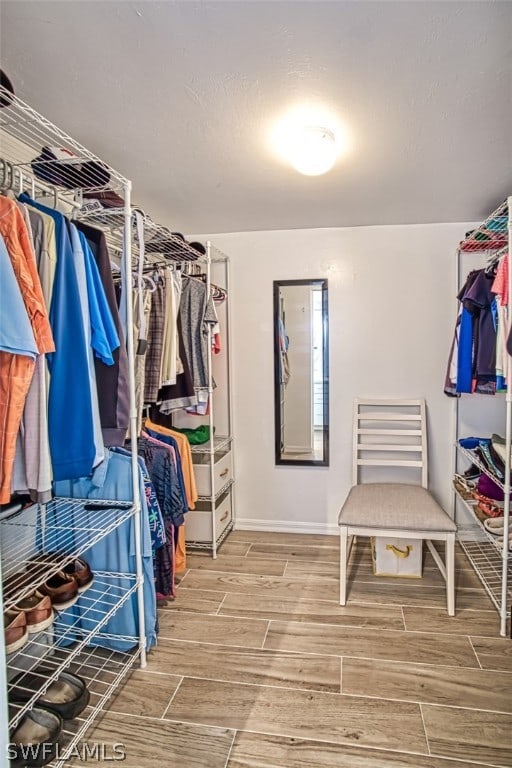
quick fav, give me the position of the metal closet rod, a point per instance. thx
(15, 179)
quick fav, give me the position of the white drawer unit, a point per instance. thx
(222, 472)
(199, 521)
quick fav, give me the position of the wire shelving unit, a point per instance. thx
(490, 558)
(71, 526)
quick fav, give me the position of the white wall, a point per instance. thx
(391, 314)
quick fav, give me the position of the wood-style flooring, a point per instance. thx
(257, 666)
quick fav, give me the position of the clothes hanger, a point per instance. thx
(6, 170)
(148, 280)
(493, 260)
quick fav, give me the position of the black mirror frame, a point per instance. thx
(325, 365)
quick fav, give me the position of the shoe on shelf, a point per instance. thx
(62, 589)
(35, 739)
(38, 611)
(463, 487)
(472, 473)
(80, 570)
(68, 695)
(490, 509)
(499, 444)
(494, 525)
(491, 460)
(15, 630)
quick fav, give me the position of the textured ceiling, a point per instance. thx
(180, 96)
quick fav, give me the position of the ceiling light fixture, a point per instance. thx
(312, 150)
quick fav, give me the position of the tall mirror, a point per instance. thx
(301, 372)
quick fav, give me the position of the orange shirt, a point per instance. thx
(14, 232)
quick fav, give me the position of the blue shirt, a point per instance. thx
(70, 418)
(465, 353)
(16, 334)
(104, 338)
(115, 553)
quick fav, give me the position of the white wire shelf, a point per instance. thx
(487, 563)
(63, 527)
(485, 554)
(61, 644)
(24, 133)
(103, 672)
(477, 525)
(481, 466)
(160, 243)
(491, 235)
(219, 443)
(225, 488)
(208, 545)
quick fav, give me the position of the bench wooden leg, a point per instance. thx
(450, 573)
(343, 563)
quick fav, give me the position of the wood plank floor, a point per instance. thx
(257, 666)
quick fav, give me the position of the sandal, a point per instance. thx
(490, 509)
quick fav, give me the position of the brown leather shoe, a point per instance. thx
(15, 630)
(38, 611)
(80, 570)
(62, 590)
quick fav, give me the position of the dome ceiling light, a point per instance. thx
(309, 138)
(312, 150)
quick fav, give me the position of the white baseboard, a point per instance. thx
(285, 526)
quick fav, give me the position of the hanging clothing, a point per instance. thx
(474, 361)
(197, 310)
(17, 335)
(19, 344)
(182, 394)
(115, 553)
(16, 238)
(500, 289)
(162, 467)
(45, 246)
(70, 415)
(179, 441)
(480, 302)
(160, 461)
(84, 291)
(111, 380)
(32, 471)
(163, 570)
(153, 362)
(169, 367)
(16, 372)
(144, 296)
(180, 550)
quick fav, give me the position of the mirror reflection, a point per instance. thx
(301, 380)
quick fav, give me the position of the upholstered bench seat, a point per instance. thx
(394, 506)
